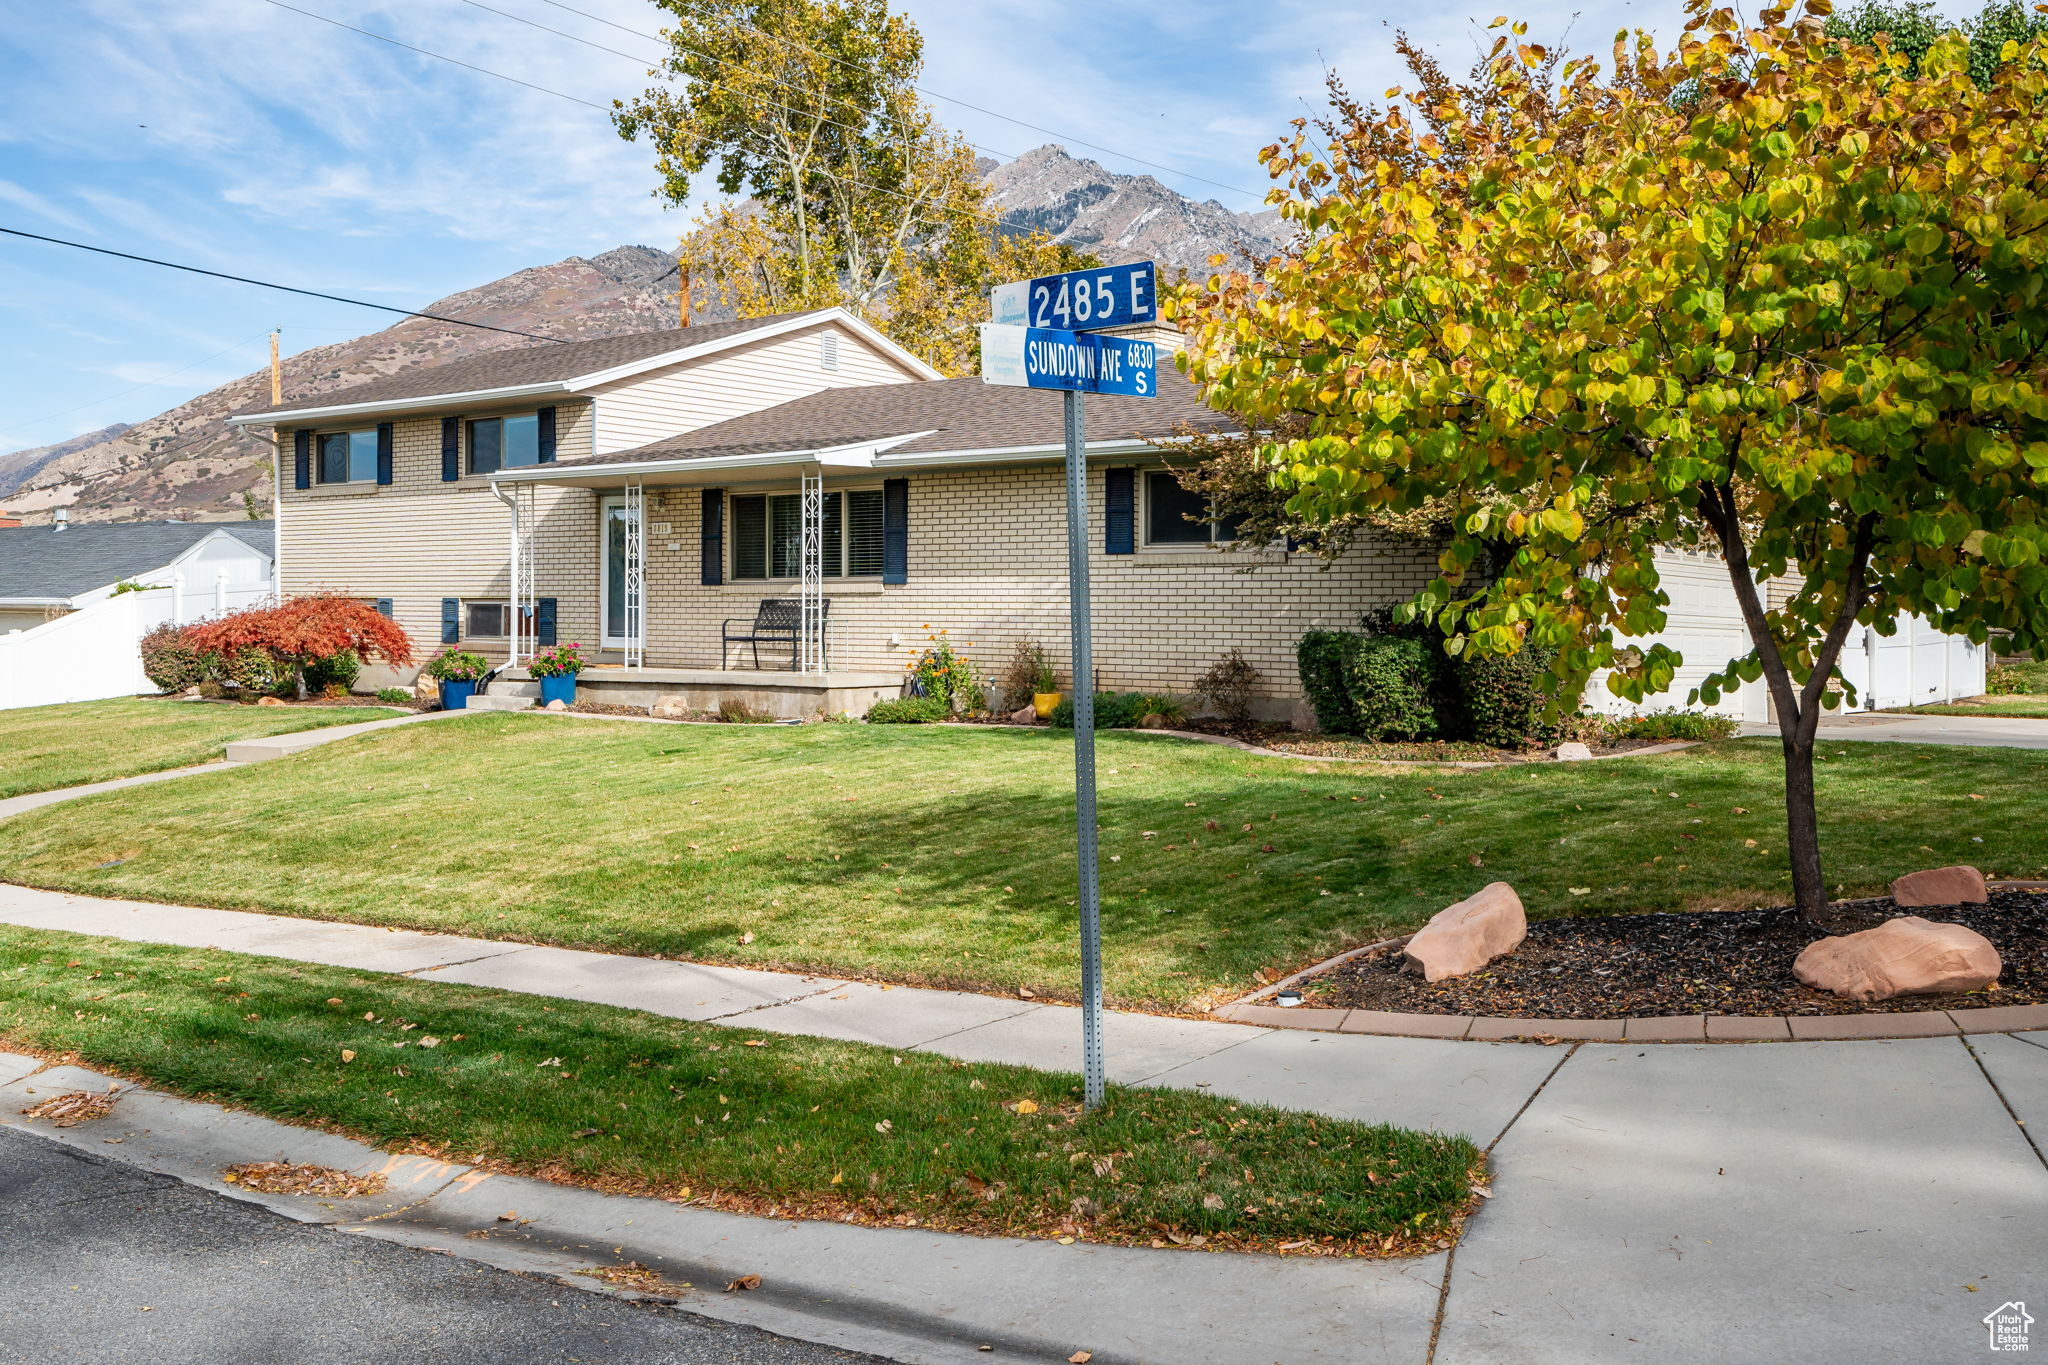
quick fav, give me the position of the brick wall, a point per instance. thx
(987, 562)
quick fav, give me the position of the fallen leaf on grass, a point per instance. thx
(1025, 1107)
(77, 1106)
(1080, 1358)
(584, 1133)
(744, 1282)
(754, 1042)
(747, 937)
(283, 1177)
(348, 1054)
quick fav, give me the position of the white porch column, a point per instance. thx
(811, 613)
(636, 575)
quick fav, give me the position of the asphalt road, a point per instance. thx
(100, 1262)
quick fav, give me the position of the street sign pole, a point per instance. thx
(1050, 333)
(1084, 752)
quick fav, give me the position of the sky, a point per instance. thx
(250, 137)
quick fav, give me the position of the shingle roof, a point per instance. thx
(958, 414)
(38, 562)
(542, 363)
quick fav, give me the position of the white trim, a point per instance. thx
(855, 455)
(798, 323)
(605, 639)
(300, 416)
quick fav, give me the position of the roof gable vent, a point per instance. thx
(828, 351)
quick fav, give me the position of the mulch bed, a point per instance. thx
(1272, 735)
(1715, 962)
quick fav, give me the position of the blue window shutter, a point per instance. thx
(384, 607)
(384, 452)
(711, 538)
(451, 449)
(451, 620)
(895, 530)
(544, 621)
(546, 426)
(1119, 511)
(302, 458)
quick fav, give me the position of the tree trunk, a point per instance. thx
(1802, 821)
(1798, 708)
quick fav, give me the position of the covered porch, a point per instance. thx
(716, 579)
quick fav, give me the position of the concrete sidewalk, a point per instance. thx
(1896, 727)
(1723, 1203)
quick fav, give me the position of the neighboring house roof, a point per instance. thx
(39, 564)
(939, 417)
(558, 367)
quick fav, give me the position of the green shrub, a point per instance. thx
(1113, 711)
(257, 670)
(1229, 685)
(2006, 680)
(396, 695)
(1170, 709)
(1323, 659)
(1497, 697)
(336, 670)
(908, 711)
(1659, 727)
(1394, 691)
(170, 661)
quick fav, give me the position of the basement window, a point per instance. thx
(486, 621)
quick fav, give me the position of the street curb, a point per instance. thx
(922, 1297)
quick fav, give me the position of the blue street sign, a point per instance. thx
(1081, 300)
(1083, 362)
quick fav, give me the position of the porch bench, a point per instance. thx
(777, 621)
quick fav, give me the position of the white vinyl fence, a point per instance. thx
(95, 652)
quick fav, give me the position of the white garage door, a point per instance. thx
(1705, 626)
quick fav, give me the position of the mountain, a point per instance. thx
(16, 467)
(186, 464)
(1124, 217)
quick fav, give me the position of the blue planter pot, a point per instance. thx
(561, 689)
(455, 695)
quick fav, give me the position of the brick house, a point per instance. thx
(635, 494)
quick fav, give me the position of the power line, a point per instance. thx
(950, 99)
(286, 288)
(708, 56)
(911, 199)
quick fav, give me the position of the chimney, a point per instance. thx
(60, 518)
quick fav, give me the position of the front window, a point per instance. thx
(486, 621)
(767, 535)
(348, 456)
(497, 443)
(1178, 516)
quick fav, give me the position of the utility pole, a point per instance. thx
(276, 372)
(682, 296)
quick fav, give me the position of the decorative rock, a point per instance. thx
(1026, 715)
(1942, 886)
(1905, 956)
(1573, 752)
(1152, 720)
(673, 706)
(1465, 937)
(557, 705)
(426, 689)
(270, 701)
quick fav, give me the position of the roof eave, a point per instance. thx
(294, 416)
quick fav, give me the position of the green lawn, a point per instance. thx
(46, 747)
(942, 856)
(2024, 704)
(726, 1117)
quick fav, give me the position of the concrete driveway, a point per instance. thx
(2003, 732)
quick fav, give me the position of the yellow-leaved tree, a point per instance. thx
(1766, 294)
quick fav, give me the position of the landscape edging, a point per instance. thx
(1682, 1028)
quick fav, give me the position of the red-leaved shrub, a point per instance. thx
(299, 630)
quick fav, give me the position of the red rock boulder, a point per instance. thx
(1942, 886)
(1465, 937)
(1905, 956)
(1024, 715)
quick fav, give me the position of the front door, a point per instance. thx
(615, 523)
